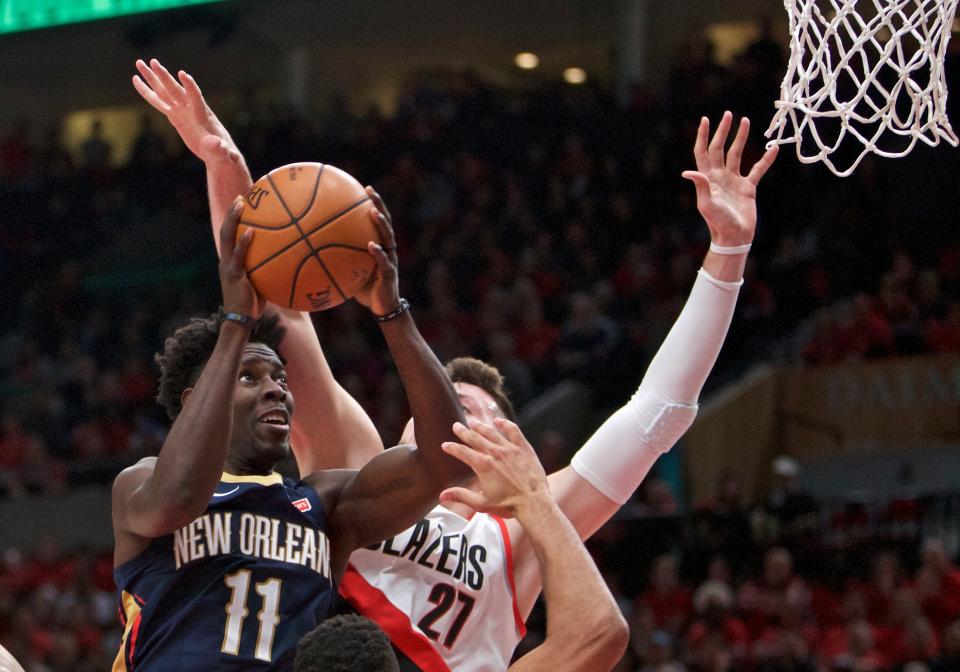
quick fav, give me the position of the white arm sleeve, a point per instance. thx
(621, 453)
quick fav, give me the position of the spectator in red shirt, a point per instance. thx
(938, 585)
(13, 442)
(886, 578)
(867, 332)
(943, 335)
(949, 659)
(50, 565)
(834, 638)
(716, 637)
(859, 653)
(761, 601)
(918, 643)
(908, 636)
(824, 345)
(670, 602)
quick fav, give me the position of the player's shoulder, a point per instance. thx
(329, 484)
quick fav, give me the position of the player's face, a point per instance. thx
(477, 405)
(263, 409)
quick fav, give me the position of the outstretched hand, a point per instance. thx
(239, 296)
(381, 294)
(726, 199)
(182, 102)
(504, 461)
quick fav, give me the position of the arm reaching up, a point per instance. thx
(398, 487)
(181, 102)
(331, 430)
(615, 460)
(159, 495)
(585, 629)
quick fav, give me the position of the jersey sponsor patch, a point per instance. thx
(303, 505)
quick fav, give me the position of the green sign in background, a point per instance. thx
(17, 15)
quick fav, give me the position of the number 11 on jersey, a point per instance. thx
(237, 612)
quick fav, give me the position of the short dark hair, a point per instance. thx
(348, 643)
(486, 377)
(187, 351)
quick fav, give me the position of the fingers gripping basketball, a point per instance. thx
(312, 226)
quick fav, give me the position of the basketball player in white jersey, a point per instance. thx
(453, 591)
(585, 629)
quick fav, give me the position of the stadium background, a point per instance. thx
(543, 225)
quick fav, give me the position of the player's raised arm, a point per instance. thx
(8, 663)
(585, 629)
(181, 102)
(156, 497)
(330, 430)
(609, 467)
(396, 488)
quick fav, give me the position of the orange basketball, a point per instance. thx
(311, 227)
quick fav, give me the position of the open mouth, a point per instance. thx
(277, 420)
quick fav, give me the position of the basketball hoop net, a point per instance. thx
(866, 74)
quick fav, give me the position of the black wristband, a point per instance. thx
(241, 319)
(395, 313)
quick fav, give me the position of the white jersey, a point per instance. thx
(443, 591)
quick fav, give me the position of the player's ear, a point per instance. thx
(187, 391)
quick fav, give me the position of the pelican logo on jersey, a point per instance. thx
(303, 505)
(451, 554)
(220, 533)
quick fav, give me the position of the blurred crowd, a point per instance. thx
(546, 230)
(788, 584)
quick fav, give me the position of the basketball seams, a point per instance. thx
(286, 208)
(264, 226)
(333, 280)
(296, 277)
(353, 206)
(303, 238)
(316, 256)
(345, 246)
(313, 196)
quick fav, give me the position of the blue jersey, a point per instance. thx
(235, 589)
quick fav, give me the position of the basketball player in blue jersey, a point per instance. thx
(396, 584)
(220, 563)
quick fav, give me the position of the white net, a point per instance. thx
(865, 76)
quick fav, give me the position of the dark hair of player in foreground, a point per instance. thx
(187, 351)
(349, 643)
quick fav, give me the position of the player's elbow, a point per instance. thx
(441, 470)
(618, 638)
(661, 421)
(607, 638)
